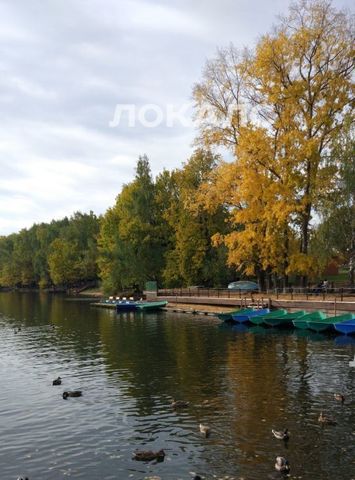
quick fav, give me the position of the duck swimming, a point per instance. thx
(281, 435)
(74, 393)
(57, 381)
(148, 455)
(325, 420)
(282, 465)
(339, 397)
(205, 430)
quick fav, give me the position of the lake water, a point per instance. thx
(130, 366)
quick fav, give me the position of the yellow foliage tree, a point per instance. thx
(296, 87)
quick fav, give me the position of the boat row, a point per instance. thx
(317, 321)
(139, 305)
(124, 304)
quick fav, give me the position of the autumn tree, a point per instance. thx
(296, 88)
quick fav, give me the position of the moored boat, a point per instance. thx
(328, 323)
(260, 319)
(285, 320)
(126, 305)
(151, 306)
(227, 316)
(302, 322)
(347, 327)
(246, 316)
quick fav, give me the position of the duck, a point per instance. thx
(281, 434)
(282, 465)
(57, 381)
(74, 393)
(339, 397)
(148, 455)
(180, 404)
(325, 420)
(205, 430)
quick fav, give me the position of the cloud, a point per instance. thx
(64, 68)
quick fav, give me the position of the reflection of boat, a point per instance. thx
(260, 319)
(285, 320)
(304, 333)
(342, 340)
(246, 316)
(227, 316)
(262, 330)
(347, 327)
(302, 322)
(329, 323)
(239, 327)
(234, 327)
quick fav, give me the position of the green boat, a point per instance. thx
(227, 316)
(151, 306)
(260, 319)
(328, 323)
(302, 322)
(285, 320)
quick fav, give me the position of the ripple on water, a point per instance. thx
(129, 369)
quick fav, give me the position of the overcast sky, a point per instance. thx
(68, 66)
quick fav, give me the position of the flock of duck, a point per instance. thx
(66, 394)
(282, 465)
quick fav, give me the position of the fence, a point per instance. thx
(282, 293)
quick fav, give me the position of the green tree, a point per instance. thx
(335, 235)
(193, 258)
(131, 234)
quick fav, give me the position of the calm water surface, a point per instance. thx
(129, 368)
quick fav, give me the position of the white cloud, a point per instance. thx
(64, 68)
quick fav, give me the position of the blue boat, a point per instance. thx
(126, 306)
(228, 316)
(245, 316)
(347, 327)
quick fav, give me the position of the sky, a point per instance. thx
(87, 86)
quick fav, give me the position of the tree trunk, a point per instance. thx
(305, 237)
(260, 274)
(269, 281)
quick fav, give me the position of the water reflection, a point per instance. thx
(130, 367)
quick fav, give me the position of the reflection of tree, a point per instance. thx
(162, 358)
